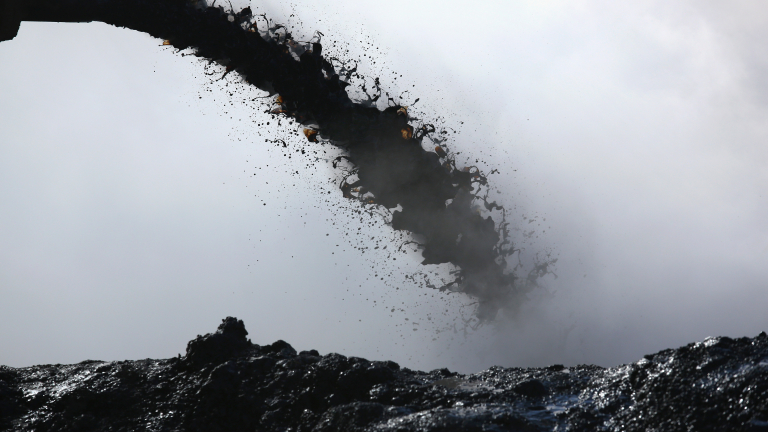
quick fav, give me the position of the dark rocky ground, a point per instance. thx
(226, 383)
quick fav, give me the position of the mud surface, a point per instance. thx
(227, 383)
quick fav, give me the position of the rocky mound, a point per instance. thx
(226, 383)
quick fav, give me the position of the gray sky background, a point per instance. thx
(132, 212)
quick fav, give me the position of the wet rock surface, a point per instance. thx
(226, 383)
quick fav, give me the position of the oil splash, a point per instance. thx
(386, 159)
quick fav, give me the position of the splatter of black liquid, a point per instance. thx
(390, 159)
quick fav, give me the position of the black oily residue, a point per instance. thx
(431, 197)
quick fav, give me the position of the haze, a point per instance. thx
(132, 193)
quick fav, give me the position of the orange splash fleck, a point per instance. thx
(311, 135)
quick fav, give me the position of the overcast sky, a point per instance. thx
(139, 203)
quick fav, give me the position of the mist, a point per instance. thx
(629, 140)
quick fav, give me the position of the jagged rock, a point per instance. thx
(532, 388)
(228, 341)
(227, 383)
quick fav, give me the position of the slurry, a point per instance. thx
(390, 159)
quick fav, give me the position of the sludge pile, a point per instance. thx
(430, 196)
(226, 383)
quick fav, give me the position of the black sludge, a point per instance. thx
(434, 199)
(227, 383)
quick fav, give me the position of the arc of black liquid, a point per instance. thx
(435, 200)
